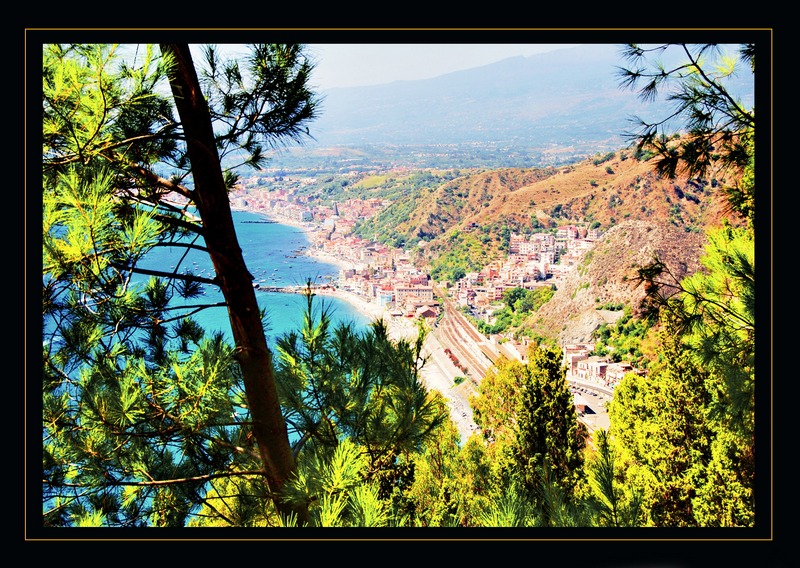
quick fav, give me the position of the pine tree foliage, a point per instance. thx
(696, 79)
(117, 399)
(336, 383)
(700, 470)
(675, 449)
(526, 412)
(550, 438)
(661, 434)
(142, 410)
(613, 505)
(117, 434)
(718, 307)
(452, 485)
(511, 509)
(333, 484)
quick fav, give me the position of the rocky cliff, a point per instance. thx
(608, 274)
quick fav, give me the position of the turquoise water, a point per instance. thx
(274, 255)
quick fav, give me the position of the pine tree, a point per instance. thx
(613, 505)
(147, 421)
(719, 128)
(660, 429)
(550, 439)
(710, 316)
(336, 383)
(527, 414)
(141, 412)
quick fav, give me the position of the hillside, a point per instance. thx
(465, 220)
(607, 274)
(457, 221)
(606, 189)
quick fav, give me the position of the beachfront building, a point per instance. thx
(384, 295)
(402, 292)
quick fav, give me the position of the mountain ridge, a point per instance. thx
(564, 115)
(569, 96)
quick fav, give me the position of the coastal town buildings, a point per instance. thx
(385, 276)
(375, 271)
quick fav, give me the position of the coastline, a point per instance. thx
(437, 374)
(399, 328)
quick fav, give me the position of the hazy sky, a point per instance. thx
(352, 65)
(362, 64)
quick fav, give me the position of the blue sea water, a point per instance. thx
(274, 256)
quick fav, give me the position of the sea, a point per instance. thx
(275, 256)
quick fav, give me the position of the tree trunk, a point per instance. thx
(252, 353)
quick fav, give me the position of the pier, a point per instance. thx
(303, 289)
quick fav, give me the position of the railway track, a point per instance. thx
(464, 344)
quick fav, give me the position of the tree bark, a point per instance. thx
(254, 357)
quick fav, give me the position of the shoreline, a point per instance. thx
(309, 232)
(399, 328)
(437, 374)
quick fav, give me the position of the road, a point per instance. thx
(597, 398)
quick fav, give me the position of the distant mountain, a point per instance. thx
(568, 98)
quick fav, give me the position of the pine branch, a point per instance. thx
(162, 482)
(172, 275)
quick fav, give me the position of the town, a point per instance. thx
(386, 277)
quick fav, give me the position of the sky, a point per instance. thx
(358, 65)
(365, 64)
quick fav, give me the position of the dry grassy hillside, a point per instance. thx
(604, 190)
(475, 198)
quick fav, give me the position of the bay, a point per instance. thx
(274, 254)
